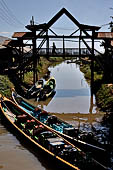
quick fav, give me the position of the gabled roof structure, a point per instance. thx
(82, 27)
(64, 11)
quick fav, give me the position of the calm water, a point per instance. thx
(72, 98)
(72, 91)
(16, 154)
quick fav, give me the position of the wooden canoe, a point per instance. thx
(30, 109)
(44, 138)
(47, 90)
(35, 89)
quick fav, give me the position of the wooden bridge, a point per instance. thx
(41, 32)
(66, 52)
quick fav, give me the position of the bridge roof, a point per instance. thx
(73, 19)
(36, 27)
(12, 43)
(23, 35)
(90, 27)
(104, 35)
(83, 27)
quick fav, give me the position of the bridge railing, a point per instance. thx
(65, 51)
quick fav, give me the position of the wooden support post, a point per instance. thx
(112, 64)
(80, 43)
(34, 58)
(47, 44)
(63, 46)
(21, 60)
(22, 53)
(91, 104)
(92, 65)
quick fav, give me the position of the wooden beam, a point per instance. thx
(92, 65)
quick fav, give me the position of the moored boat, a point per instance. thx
(35, 89)
(46, 139)
(64, 129)
(44, 116)
(48, 89)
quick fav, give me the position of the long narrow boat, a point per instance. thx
(43, 116)
(47, 90)
(60, 127)
(48, 141)
(35, 89)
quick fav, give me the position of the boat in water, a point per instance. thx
(57, 148)
(44, 116)
(35, 89)
(59, 126)
(47, 90)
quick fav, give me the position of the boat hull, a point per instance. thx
(9, 116)
(95, 150)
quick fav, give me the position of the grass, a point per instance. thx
(42, 68)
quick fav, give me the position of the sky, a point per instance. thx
(16, 14)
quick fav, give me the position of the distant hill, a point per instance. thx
(2, 39)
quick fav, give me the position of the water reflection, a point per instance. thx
(17, 153)
(73, 101)
(72, 92)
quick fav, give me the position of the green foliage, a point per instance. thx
(28, 77)
(56, 59)
(86, 70)
(42, 68)
(103, 92)
(105, 97)
(5, 86)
